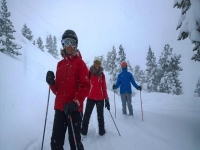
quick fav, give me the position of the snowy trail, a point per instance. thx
(161, 129)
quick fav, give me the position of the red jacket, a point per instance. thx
(98, 89)
(71, 82)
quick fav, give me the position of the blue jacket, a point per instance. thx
(124, 80)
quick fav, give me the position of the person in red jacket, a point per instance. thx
(71, 86)
(97, 96)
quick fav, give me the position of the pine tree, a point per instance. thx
(121, 55)
(121, 58)
(27, 33)
(197, 90)
(1, 25)
(7, 30)
(129, 67)
(169, 83)
(54, 47)
(49, 44)
(33, 42)
(112, 66)
(139, 75)
(40, 44)
(107, 62)
(151, 71)
(189, 26)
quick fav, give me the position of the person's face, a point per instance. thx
(69, 45)
(69, 49)
(97, 65)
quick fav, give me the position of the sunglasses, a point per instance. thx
(69, 41)
(97, 62)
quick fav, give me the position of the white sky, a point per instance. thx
(135, 24)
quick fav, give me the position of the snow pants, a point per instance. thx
(127, 100)
(61, 123)
(88, 111)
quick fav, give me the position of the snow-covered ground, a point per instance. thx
(170, 122)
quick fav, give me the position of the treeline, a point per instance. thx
(7, 39)
(159, 76)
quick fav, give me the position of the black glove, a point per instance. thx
(70, 107)
(140, 88)
(50, 78)
(107, 104)
(114, 86)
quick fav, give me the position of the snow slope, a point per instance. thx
(170, 122)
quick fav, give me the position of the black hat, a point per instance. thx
(70, 34)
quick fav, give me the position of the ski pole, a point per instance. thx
(141, 106)
(114, 104)
(45, 119)
(70, 118)
(114, 123)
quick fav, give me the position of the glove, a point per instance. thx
(114, 86)
(140, 88)
(70, 107)
(50, 78)
(107, 104)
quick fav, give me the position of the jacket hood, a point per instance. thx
(96, 72)
(76, 53)
(124, 69)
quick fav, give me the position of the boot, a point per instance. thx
(102, 132)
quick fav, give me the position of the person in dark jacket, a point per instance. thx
(124, 80)
(71, 86)
(97, 96)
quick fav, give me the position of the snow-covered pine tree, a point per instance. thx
(54, 47)
(112, 66)
(1, 25)
(40, 44)
(151, 71)
(27, 33)
(49, 44)
(33, 42)
(129, 67)
(7, 29)
(189, 23)
(121, 57)
(169, 83)
(139, 75)
(106, 63)
(197, 90)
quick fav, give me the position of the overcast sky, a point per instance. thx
(135, 24)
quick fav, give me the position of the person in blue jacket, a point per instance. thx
(124, 80)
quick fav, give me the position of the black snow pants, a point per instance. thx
(61, 123)
(88, 111)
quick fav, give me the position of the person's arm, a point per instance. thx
(104, 87)
(55, 86)
(118, 83)
(133, 81)
(84, 85)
